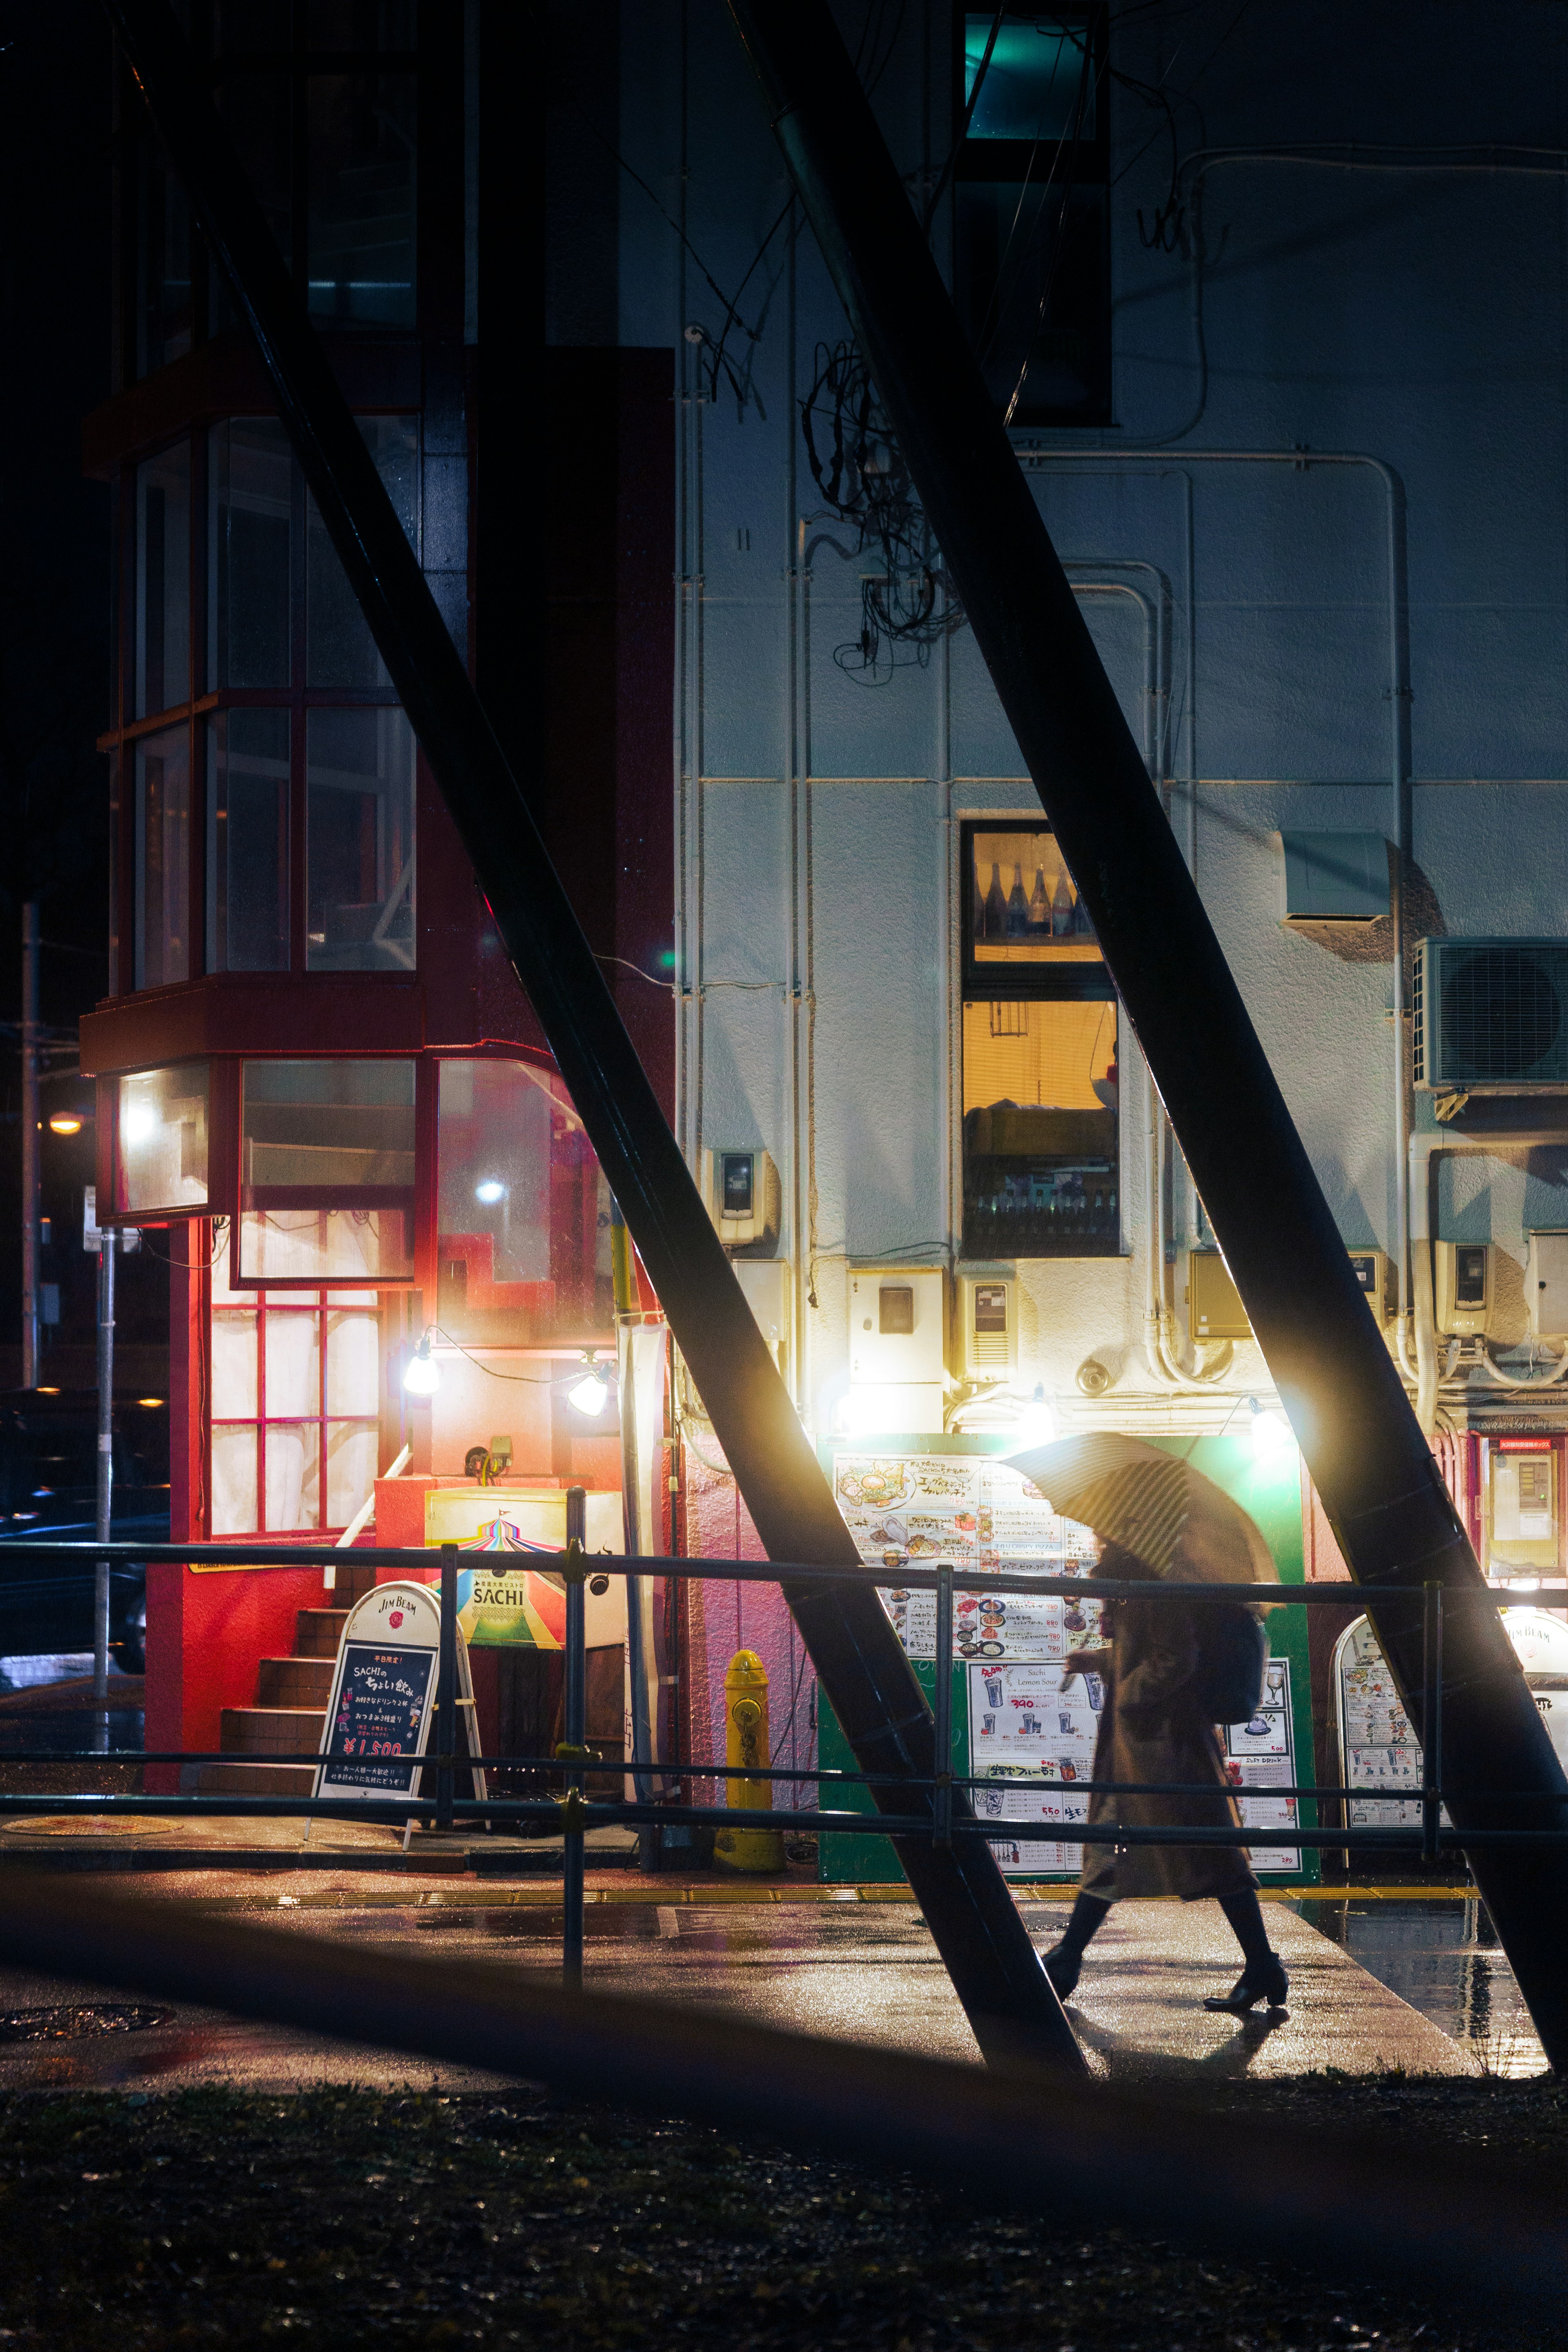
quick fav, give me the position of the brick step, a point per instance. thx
(294, 1681)
(257, 1779)
(317, 1632)
(352, 1583)
(270, 1730)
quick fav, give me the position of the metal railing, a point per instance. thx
(578, 1809)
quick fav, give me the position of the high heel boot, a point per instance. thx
(1264, 1980)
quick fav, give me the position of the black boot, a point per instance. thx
(1064, 1960)
(1263, 1977)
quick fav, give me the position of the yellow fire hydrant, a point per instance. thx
(746, 1742)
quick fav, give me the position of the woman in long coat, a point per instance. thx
(1151, 1728)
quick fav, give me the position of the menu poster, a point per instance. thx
(915, 1510)
(1023, 1726)
(1380, 1751)
(1261, 1754)
(380, 1713)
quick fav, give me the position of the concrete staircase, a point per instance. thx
(290, 1709)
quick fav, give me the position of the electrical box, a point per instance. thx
(766, 1281)
(744, 1200)
(1546, 1285)
(1214, 1310)
(1521, 1491)
(896, 1325)
(987, 1327)
(1373, 1278)
(1462, 1288)
(1335, 877)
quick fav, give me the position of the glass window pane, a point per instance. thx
(351, 1465)
(233, 1482)
(163, 240)
(362, 24)
(321, 1246)
(314, 1131)
(163, 858)
(293, 1486)
(359, 781)
(163, 1140)
(292, 1362)
(360, 214)
(247, 609)
(339, 647)
(247, 840)
(164, 581)
(522, 1210)
(1024, 907)
(353, 1363)
(1031, 86)
(234, 1364)
(1040, 1137)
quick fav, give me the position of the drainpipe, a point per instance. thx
(859, 1661)
(1391, 1515)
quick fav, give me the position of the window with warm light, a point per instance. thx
(295, 1385)
(1041, 1154)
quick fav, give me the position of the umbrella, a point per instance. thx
(1153, 1504)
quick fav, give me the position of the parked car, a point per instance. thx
(48, 1487)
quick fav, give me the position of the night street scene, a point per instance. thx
(784, 1317)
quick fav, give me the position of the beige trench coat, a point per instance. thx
(1150, 1729)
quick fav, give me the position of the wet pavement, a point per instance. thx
(1377, 1987)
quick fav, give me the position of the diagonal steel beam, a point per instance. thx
(1389, 1508)
(858, 1660)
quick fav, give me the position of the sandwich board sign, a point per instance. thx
(378, 1723)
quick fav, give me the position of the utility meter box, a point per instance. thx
(1372, 1271)
(896, 1325)
(766, 1281)
(744, 1200)
(1214, 1310)
(1546, 1285)
(1522, 1504)
(987, 1327)
(1462, 1288)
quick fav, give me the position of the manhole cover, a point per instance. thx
(79, 2019)
(95, 1825)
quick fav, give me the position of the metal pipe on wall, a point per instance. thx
(859, 1659)
(1391, 1514)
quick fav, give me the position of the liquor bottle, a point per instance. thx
(1017, 907)
(979, 908)
(995, 907)
(1040, 908)
(1061, 908)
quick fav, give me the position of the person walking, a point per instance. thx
(1153, 1727)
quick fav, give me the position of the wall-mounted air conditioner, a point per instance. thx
(1491, 1016)
(987, 1327)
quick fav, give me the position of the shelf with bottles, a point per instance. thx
(1023, 905)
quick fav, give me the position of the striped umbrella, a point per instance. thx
(1151, 1504)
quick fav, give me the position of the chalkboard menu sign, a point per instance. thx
(384, 1694)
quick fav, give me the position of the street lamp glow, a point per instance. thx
(422, 1377)
(489, 1191)
(65, 1122)
(1037, 1423)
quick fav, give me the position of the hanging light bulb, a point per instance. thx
(1269, 1430)
(1037, 1423)
(422, 1377)
(592, 1393)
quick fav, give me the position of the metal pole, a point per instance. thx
(574, 1743)
(30, 1144)
(1431, 1719)
(104, 1500)
(859, 1662)
(941, 1707)
(1390, 1512)
(446, 1691)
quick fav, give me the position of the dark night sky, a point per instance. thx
(55, 84)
